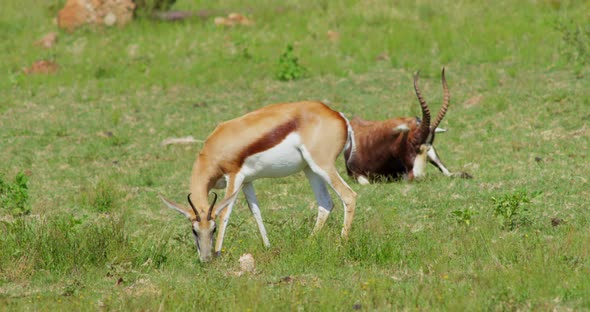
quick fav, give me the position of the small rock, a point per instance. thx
(286, 279)
(233, 19)
(42, 67)
(383, 57)
(77, 13)
(556, 221)
(247, 263)
(132, 50)
(110, 19)
(105, 134)
(239, 19)
(333, 36)
(473, 101)
(221, 21)
(47, 41)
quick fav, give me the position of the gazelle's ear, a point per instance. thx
(440, 130)
(172, 205)
(225, 203)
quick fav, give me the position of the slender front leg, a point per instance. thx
(322, 197)
(248, 189)
(435, 160)
(233, 185)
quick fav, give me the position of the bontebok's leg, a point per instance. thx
(434, 159)
(248, 189)
(322, 196)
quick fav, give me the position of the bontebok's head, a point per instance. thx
(422, 137)
(203, 226)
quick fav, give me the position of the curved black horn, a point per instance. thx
(446, 101)
(193, 207)
(212, 205)
(424, 129)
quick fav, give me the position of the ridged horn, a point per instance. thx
(446, 101)
(424, 129)
(193, 207)
(211, 207)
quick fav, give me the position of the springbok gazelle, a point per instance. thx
(274, 141)
(397, 147)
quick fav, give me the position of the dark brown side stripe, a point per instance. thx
(269, 140)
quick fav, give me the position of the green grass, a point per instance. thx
(88, 139)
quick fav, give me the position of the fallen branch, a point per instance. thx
(185, 140)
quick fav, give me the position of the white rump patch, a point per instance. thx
(350, 143)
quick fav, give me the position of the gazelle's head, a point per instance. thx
(203, 224)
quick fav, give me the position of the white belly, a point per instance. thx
(282, 160)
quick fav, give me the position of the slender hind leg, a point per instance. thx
(346, 194)
(327, 171)
(322, 196)
(248, 190)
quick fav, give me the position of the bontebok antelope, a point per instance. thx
(398, 147)
(274, 141)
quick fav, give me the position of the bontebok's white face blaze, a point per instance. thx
(420, 161)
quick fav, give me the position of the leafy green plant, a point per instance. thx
(103, 197)
(61, 243)
(289, 67)
(464, 216)
(14, 197)
(147, 7)
(577, 41)
(512, 209)
(116, 140)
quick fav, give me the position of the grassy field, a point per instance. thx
(81, 160)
